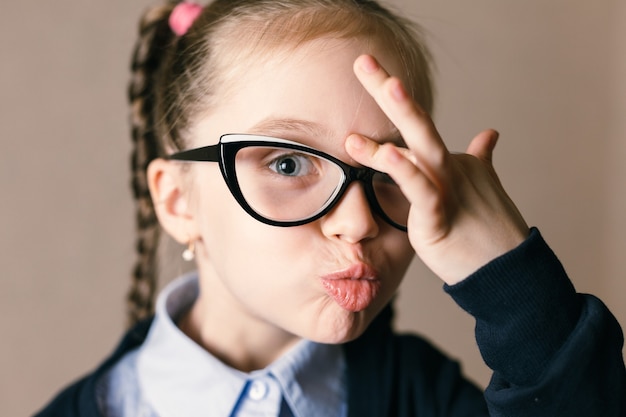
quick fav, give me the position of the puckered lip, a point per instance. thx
(353, 288)
(356, 271)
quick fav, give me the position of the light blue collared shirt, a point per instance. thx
(170, 375)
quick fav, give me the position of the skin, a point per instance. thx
(261, 287)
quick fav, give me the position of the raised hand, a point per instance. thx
(461, 218)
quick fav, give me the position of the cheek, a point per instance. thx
(398, 256)
(231, 235)
(219, 220)
(237, 246)
(399, 251)
(223, 226)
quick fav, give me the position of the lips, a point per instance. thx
(353, 288)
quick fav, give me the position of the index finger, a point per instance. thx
(414, 124)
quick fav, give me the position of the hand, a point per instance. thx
(460, 218)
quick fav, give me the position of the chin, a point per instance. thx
(343, 327)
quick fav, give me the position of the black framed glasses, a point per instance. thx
(284, 183)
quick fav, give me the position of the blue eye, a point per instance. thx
(292, 165)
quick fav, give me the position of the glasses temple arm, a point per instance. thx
(205, 154)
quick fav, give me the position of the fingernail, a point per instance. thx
(369, 64)
(356, 142)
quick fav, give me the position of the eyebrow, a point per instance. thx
(295, 129)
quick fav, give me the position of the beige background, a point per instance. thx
(549, 74)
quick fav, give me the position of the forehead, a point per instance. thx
(308, 93)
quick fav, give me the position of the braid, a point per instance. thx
(154, 35)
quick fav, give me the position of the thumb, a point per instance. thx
(483, 144)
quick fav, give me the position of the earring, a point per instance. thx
(190, 253)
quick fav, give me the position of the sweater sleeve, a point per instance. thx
(553, 352)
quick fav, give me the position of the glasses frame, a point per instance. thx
(226, 149)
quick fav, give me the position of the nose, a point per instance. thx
(351, 219)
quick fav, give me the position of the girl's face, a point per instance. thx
(326, 280)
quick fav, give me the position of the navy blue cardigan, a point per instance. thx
(553, 352)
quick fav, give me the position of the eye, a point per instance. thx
(292, 165)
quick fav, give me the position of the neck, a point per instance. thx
(222, 326)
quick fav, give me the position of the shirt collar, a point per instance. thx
(179, 377)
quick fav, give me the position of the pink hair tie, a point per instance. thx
(183, 16)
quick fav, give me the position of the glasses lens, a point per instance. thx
(390, 198)
(285, 184)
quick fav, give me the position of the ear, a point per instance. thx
(170, 195)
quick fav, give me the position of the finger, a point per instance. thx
(396, 163)
(412, 121)
(483, 144)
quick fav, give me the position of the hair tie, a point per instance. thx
(182, 17)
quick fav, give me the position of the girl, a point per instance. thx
(288, 144)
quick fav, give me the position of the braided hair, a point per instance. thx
(175, 78)
(153, 33)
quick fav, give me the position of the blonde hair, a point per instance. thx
(174, 78)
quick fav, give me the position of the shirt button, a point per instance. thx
(258, 390)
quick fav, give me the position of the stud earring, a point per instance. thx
(190, 253)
